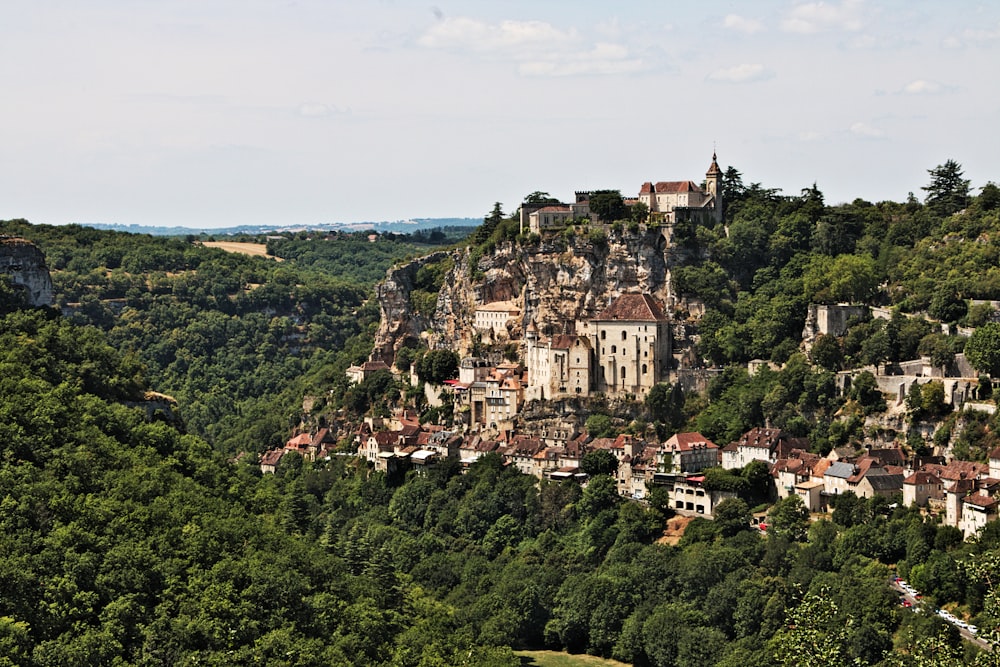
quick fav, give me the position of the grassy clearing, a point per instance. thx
(559, 659)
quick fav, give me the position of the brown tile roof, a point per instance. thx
(995, 454)
(820, 468)
(686, 441)
(563, 341)
(633, 308)
(372, 366)
(602, 443)
(713, 168)
(562, 208)
(323, 436)
(271, 458)
(979, 500)
(676, 187)
(922, 477)
(889, 455)
(957, 470)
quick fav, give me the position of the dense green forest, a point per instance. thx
(127, 541)
(146, 541)
(237, 340)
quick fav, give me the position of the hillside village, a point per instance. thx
(530, 409)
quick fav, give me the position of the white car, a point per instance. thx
(973, 629)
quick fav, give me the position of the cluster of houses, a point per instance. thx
(965, 494)
(402, 443)
(310, 446)
(666, 201)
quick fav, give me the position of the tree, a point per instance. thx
(989, 198)
(599, 462)
(864, 390)
(790, 518)
(826, 352)
(600, 426)
(732, 516)
(537, 197)
(490, 223)
(638, 212)
(947, 303)
(947, 192)
(665, 403)
(437, 366)
(608, 205)
(983, 349)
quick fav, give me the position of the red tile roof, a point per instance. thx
(633, 308)
(687, 441)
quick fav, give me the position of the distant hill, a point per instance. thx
(410, 225)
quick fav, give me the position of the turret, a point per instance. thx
(713, 184)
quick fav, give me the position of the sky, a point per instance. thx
(215, 113)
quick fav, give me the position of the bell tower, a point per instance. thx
(713, 185)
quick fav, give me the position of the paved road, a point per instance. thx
(919, 604)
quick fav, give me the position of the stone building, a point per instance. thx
(558, 366)
(631, 344)
(671, 201)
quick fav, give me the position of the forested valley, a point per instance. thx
(151, 537)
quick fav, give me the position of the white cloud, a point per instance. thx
(971, 37)
(866, 131)
(922, 87)
(467, 33)
(539, 48)
(982, 35)
(742, 24)
(813, 17)
(602, 59)
(744, 73)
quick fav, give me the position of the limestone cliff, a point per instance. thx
(24, 265)
(557, 281)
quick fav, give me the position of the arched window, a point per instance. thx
(614, 349)
(623, 374)
(644, 369)
(604, 334)
(623, 335)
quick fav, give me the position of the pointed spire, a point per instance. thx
(714, 167)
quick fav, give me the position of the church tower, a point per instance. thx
(713, 185)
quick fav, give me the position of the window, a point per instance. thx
(614, 349)
(644, 370)
(623, 373)
(623, 335)
(604, 334)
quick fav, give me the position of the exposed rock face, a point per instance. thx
(24, 264)
(399, 323)
(558, 281)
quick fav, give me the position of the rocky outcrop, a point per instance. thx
(24, 265)
(558, 280)
(399, 323)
